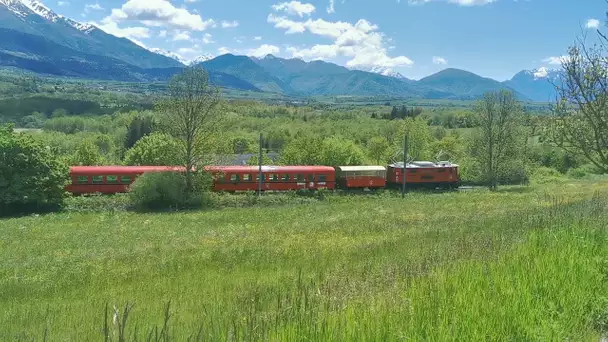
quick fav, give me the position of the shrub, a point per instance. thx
(167, 191)
(543, 175)
(32, 178)
(153, 149)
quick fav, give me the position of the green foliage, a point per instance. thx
(542, 175)
(168, 191)
(255, 160)
(86, 154)
(339, 151)
(379, 150)
(141, 126)
(419, 138)
(302, 151)
(154, 149)
(31, 176)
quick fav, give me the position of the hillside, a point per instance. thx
(538, 85)
(463, 84)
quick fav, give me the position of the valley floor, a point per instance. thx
(523, 263)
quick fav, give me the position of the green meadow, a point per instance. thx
(519, 264)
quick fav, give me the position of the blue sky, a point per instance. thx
(493, 38)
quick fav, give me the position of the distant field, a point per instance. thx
(522, 264)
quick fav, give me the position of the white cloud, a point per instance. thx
(63, 3)
(457, 2)
(223, 50)
(541, 72)
(94, 7)
(181, 35)
(331, 9)
(556, 60)
(593, 24)
(294, 8)
(264, 50)
(257, 38)
(131, 33)
(159, 13)
(207, 39)
(162, 33)
(439, 60)
(230, 24)
(361, 42)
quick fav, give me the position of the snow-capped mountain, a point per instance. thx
(169, 54)
(384, 71)
(24, 22)
(538, 84)
(200, 59)
(24, 8)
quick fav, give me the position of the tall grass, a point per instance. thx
(515, 265)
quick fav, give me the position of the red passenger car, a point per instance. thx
(425, 174)
(361, 177)
(275, 178)
(109, 179)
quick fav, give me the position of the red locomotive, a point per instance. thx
(117, 179)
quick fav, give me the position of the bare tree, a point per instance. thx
(191, 115)
(499, 115)
(580, 123)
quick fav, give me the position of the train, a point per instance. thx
(118, 179)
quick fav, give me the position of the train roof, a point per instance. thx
(423, 164)
(266, 168)
(98, 170)
(360, 168)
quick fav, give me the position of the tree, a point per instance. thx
(86, 154)
(337, 151)
(154, 149)
(31, 175)
(379, 150)
(580, 124)
(499, 115)
(419, 138)
(303, 150)
(191, 115)
(140, 126)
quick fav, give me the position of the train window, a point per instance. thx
(412, 170)
(246, 178)
(125, 179)
(441, 170)
(97, 179)
(273, 177)
(311, 178)
(322, 178)
(285, 178)
(234, 178)
(83, 179)
(300, 178)
(112, 179)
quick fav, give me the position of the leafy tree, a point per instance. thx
(140, 126)
(379, 150)
(31, 175)
(580, 125)
(302, 151)
(191, 115)
(419, 138)
(499, 136)
(154, 149)
(59, 113)
(255, 160)
(339, 151)
(86, 154)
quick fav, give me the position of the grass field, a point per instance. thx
(521, 264)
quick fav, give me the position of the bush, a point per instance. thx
(583, 171)
(32, 178)
(153, 149)
(544, 175)
(167, 191)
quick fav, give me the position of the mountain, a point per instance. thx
(246, 69)
(538, 85)
(33, 18)
(463, 84)
(169, 54)
(199, 60)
